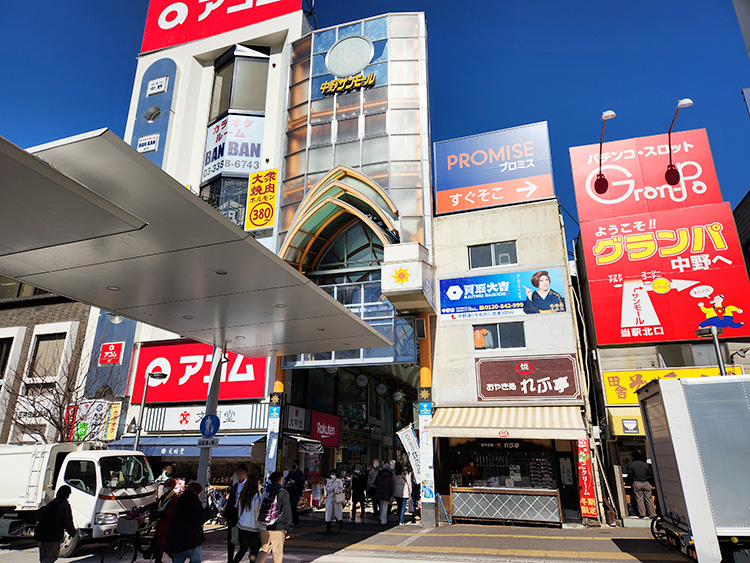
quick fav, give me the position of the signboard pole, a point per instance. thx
(273, 437)
(212, 402)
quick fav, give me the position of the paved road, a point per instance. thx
(368, 542)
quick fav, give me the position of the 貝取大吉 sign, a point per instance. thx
(547, 379)
(620, 386)
(492, 169)
(261, 199)
(513, 293)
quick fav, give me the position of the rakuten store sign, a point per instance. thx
(188, 365)
(325, 427)
(172, 22)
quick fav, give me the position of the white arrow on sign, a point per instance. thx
(529, 188)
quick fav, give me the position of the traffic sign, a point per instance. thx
(209, 425)
(208, 442)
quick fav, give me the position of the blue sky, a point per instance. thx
(493, 64)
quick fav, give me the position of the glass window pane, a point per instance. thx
(376, 29)
(47, 355)
(321, 110)
(408, 202)
(412, 229)
(222, 91)
(320, 159)
(405, 121)
(348, 130)
(405, 72)
(313, 179)
(511, 335)
(480, 256)
(406, 175)
(347, 154)
(376, 100)
(347, 105)
(250, 81)
(704, 354)
(294, 165)
(298, 93)
(301, 49)
(233, 199)
(319, 65)
(287, 214)
(297, 117)
(505, 253)
(324, 40)
(300, 71)
(320, 134)
(8, 288)
(375, 150)
(347, 354)
(384, 327)
(349, 30)
(404, 49)
(293, 190)
(403, 97)
(406, 147)
(485, 337)
(296, 140)
(317, 82)
(378, 173)
(379, 52)
(404, 26)
(375, 124)
(674, 355)
(406, 343)
(380, 71)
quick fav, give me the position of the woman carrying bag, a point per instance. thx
(161, 512)
(335, 500)
(248, 532)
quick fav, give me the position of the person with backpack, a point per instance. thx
(185, 536)
(161, 512)
(384, 485)
(55, 519)
(334, 501)
(274, 519)
(247, 523)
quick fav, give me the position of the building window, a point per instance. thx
(239, 84)
(11, 289)
(681, 355)
(493, 254)
(503, 335)
(5, 345)
(81, 475)
(48, 351)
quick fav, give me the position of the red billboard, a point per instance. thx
(171, 22)
(325, 428)
(188, 365)
(635, 171)
(660, 276)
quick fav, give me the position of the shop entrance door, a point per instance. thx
(568, 487)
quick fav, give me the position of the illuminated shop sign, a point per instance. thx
(342, 85)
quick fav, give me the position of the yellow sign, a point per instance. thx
(261, 199)
(111, 422)
(340, 85)
(620, 386)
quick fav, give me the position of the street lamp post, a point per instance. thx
(672, 175)
(714, 333)
(601, 184)
(154, 375)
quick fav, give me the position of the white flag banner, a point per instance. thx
(411, 445)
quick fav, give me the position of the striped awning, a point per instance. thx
(527, 423)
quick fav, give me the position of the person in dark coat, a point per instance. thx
(231, 509)
(295, 484)
(274, 535)
(55, 519)
(359, 486)
(185, 535)
(384, 484)
(162, 510)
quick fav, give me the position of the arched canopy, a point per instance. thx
(341, 198)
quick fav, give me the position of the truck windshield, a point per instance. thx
(125, 471)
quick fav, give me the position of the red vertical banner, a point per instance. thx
(586, 494)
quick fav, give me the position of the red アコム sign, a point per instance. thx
(111, 353)
(188, 365)
(171, 22)
(661, 276)
(635, 171)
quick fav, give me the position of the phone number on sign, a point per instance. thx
(233, 164)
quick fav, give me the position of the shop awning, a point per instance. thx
(91, 219)
(625, 422)
(187, 446)
(523, 423)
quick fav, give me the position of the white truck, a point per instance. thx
(698, 433)
(105, 484)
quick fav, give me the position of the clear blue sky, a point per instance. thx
(69, 66)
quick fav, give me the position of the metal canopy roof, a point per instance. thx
(99, 223)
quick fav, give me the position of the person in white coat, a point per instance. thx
(334, 485)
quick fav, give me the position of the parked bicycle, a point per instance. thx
(132, 528)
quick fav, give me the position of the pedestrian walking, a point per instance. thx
(185, 536)
(359, 486)
(231, 511)
(295, 484)
(640, 473)
(401, 491)
(55, 519)
(334, 501)
(384, 486)
(248, 534)
(161, 512)
(371, 476)
(166, 473)
(275, 520)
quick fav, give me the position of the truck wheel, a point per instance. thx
(69, 546)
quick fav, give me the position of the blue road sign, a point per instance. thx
(209, 425)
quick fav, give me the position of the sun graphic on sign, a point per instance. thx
(401, 276)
